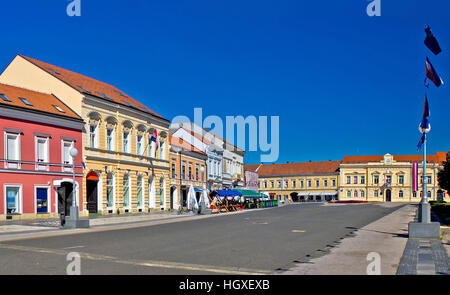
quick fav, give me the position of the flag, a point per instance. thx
(154, 138)
(427, 85)
(106, 169)
(431, 42)
(425, 124)
(421, 141)
(432, 74)
(415, 176)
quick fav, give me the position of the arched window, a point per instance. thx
(94, 122)
(400, 194)
(140, 188)
(151, 193)
(110, 192)
(111, 124)
(355, 193)
(362, 194)
(126, 191)
(162, 192)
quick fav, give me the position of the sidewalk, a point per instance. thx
(387, 237)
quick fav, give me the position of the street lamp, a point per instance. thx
(202, 201)
(74, 221)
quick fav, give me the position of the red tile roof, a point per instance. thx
(39, 101)
(90, 86)
(320, 167)
(179, 142)
(437, 158)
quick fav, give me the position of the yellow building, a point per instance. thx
(307, 181)
(388, 178)
(125, 169)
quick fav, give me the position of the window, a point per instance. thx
(362, 194)
(126, 191)
(265, 184)
(294, 184)
(279, 183)
(325, 183)
(375, 193)
(172, 170)
(301, 183)
(183, 170)
(286, 183)
(203, 172)
(400, 194)
(110, 190)
(348, 179)
(317, 182)
(271, 183)
(140, 188)
(58, 108)
(12, 151)
(190, 171)
(4, 97)
(66, 158)
(349, 194)
(140, 144)
(388, 179)
(110, 142)
(376, 179)
(162, 150)
(93, 136)
(401, 179)
(355, 179)
(414, 194)
(41, 153)
(126, 144)
(13, 199)
(363, 179)
(196, 173)
(309, 183)
(25, 101)
(333, 182)
(429, 179)
(355, 193)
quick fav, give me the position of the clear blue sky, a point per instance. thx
(343, 83)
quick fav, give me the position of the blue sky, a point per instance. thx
(342, 83)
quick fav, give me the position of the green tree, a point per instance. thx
(444, 175)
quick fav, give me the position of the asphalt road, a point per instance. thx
(258, 242)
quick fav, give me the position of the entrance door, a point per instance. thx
(388, 195)
(172, 190)
(65, 198)
(91, 191)
(41, 200)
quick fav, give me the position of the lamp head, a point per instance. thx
(73, 152)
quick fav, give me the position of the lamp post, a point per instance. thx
(74, 208)
(202, 201)
(75, 221)
(424, 207)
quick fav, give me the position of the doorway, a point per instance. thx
(388, 195)
(92, 191)
(41, 200)
(65, 198)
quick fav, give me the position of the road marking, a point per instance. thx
(298, 231)
(73, 247)
(145, 263)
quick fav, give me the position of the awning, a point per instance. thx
(251, 194)
(317, 193)
(197, 190)
(226, 193)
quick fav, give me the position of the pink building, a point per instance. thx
(38, 131)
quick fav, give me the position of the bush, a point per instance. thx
(442, 210)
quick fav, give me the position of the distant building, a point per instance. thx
(388, 178)
(307, 181)
(36, 173)
(187, 166)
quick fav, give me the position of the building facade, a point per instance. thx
(125, 144)
(307, 181)
(389, 178)
(36, 169)
(187, 166)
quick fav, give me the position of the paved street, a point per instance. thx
(258, 242)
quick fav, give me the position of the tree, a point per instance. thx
(444, 175)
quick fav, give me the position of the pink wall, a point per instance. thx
(27, 147)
